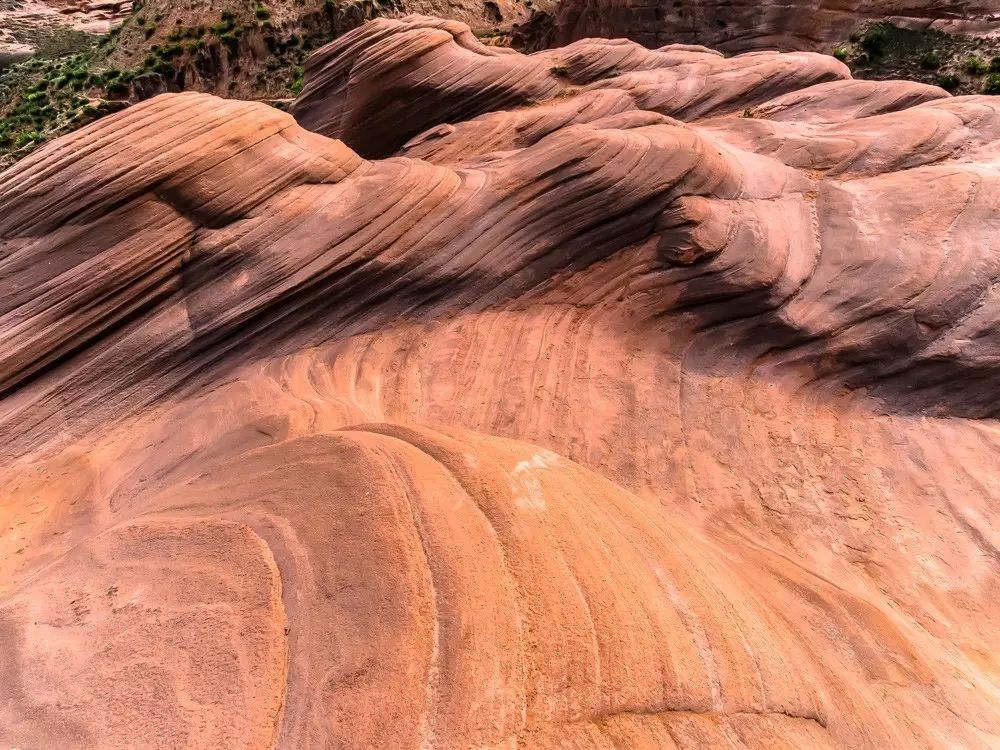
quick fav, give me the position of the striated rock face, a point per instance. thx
(606, 397)
(752, 24)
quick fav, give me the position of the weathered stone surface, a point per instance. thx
(755, 24)
(599, 415)
(26, 24)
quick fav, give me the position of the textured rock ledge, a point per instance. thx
(600, 414)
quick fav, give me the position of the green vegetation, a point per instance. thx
(298, 80)
(949, 82)
(992, 85)
(956, 63)
(231, 41)
(976, 66)
(930, 60)
(246, 51)
(44, 97)
(874, 40)
(169, 51)
(162, 68)
(227, 25)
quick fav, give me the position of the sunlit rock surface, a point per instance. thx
(607, 397)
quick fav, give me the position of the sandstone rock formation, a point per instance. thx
(755, 24)
(24, 24)
(607, 397)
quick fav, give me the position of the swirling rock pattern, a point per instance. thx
(600, 398)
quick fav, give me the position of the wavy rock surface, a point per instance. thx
(596, 415)
(755, 24)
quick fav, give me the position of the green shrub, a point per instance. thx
(930, 60)
(840, 53)
(140, 21)
(949, 82)
(168, 51)
(163, 68)
(976, 66)
(262, 12)
(229, 16)
(559, 70)
(874, 40)
(29, 136)
(992, 85)
(995, 65)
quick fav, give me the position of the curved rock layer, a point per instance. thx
(640, 399)
(759, 24)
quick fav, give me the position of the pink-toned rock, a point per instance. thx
(390, 79)
(741, 25)
(640, 399)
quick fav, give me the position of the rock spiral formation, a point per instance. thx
(606, 397)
